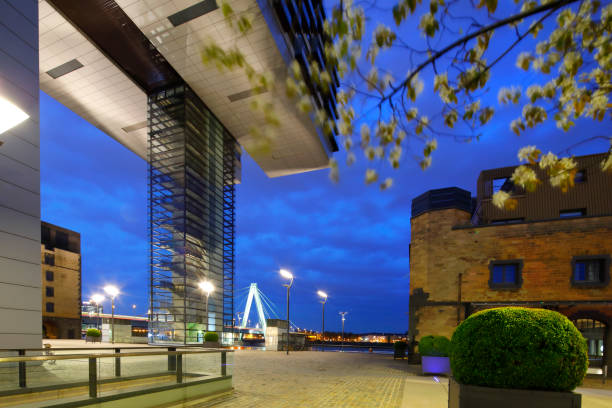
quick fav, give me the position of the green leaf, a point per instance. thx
(490, 4)
(412, 4)
(433, 6)
(226, 9)
(399, 13)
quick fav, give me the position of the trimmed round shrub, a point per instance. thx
(93, 333)
(400, 346)
(515, 347)
(435, 346)
(211, 336)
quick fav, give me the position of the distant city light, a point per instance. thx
(286, 274)
(10, 115)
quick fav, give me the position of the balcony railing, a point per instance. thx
(83, 377)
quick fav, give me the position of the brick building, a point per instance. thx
(61, 282)
(553, 251)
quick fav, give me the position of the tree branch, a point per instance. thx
(548, 6)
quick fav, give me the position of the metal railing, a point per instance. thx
(38, 369)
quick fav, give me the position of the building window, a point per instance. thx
(46, 237)
(580, 176)
(594, 333)
(580, 212)
(50, 259)
(500, 183)
(61, 240)
(506, 274)
(508, 221)
(49, 291)
(49, 276)
(139, 331)
(50, 307)
(590, 271)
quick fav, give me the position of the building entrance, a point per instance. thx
(594, 332)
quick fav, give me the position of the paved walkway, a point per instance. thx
(314, 379)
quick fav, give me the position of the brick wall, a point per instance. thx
(440, 251)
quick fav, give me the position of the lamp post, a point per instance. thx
(207, 287)
(343, 319)
(97, 298)
(287, 275)
(239, 320)
(112, 292)
(323, 296)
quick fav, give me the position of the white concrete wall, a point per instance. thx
(20, 273)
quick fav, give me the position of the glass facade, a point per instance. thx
(193, 163)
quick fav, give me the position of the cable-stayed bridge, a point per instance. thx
(248, 323)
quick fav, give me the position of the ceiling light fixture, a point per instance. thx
(10, 115)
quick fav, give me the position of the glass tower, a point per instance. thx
(194, 163)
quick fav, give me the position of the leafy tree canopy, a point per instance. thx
(451, 48)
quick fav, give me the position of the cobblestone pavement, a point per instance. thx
(315, 379)
(334, 380)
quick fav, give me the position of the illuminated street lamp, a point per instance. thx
(97, 298)
(10, 115)
(323, 296)
(287, 275)
(207, 287)
(343, 319)
(112, 292)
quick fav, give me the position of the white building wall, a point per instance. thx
(20, 272)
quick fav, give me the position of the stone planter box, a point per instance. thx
(435, 365)
(472, 396)
(210, 344)
(92, 339)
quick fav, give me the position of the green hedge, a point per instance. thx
(514, 347)
(211, 336)
(400, 345)
(436, 346)
(93, 333)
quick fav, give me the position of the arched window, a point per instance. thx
(593, 331)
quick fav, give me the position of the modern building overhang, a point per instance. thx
(101, 58)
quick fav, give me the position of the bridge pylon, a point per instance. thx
(254, 294)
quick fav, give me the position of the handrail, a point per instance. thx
(390, 345)
(115, 355)
(103, 348)
(174, 356)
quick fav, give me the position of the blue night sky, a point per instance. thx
(346, 239)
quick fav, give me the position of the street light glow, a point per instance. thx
(286, 274)
(322, 294)
(10, 115)
(111, 291)
(207, 287)
(97, 298)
